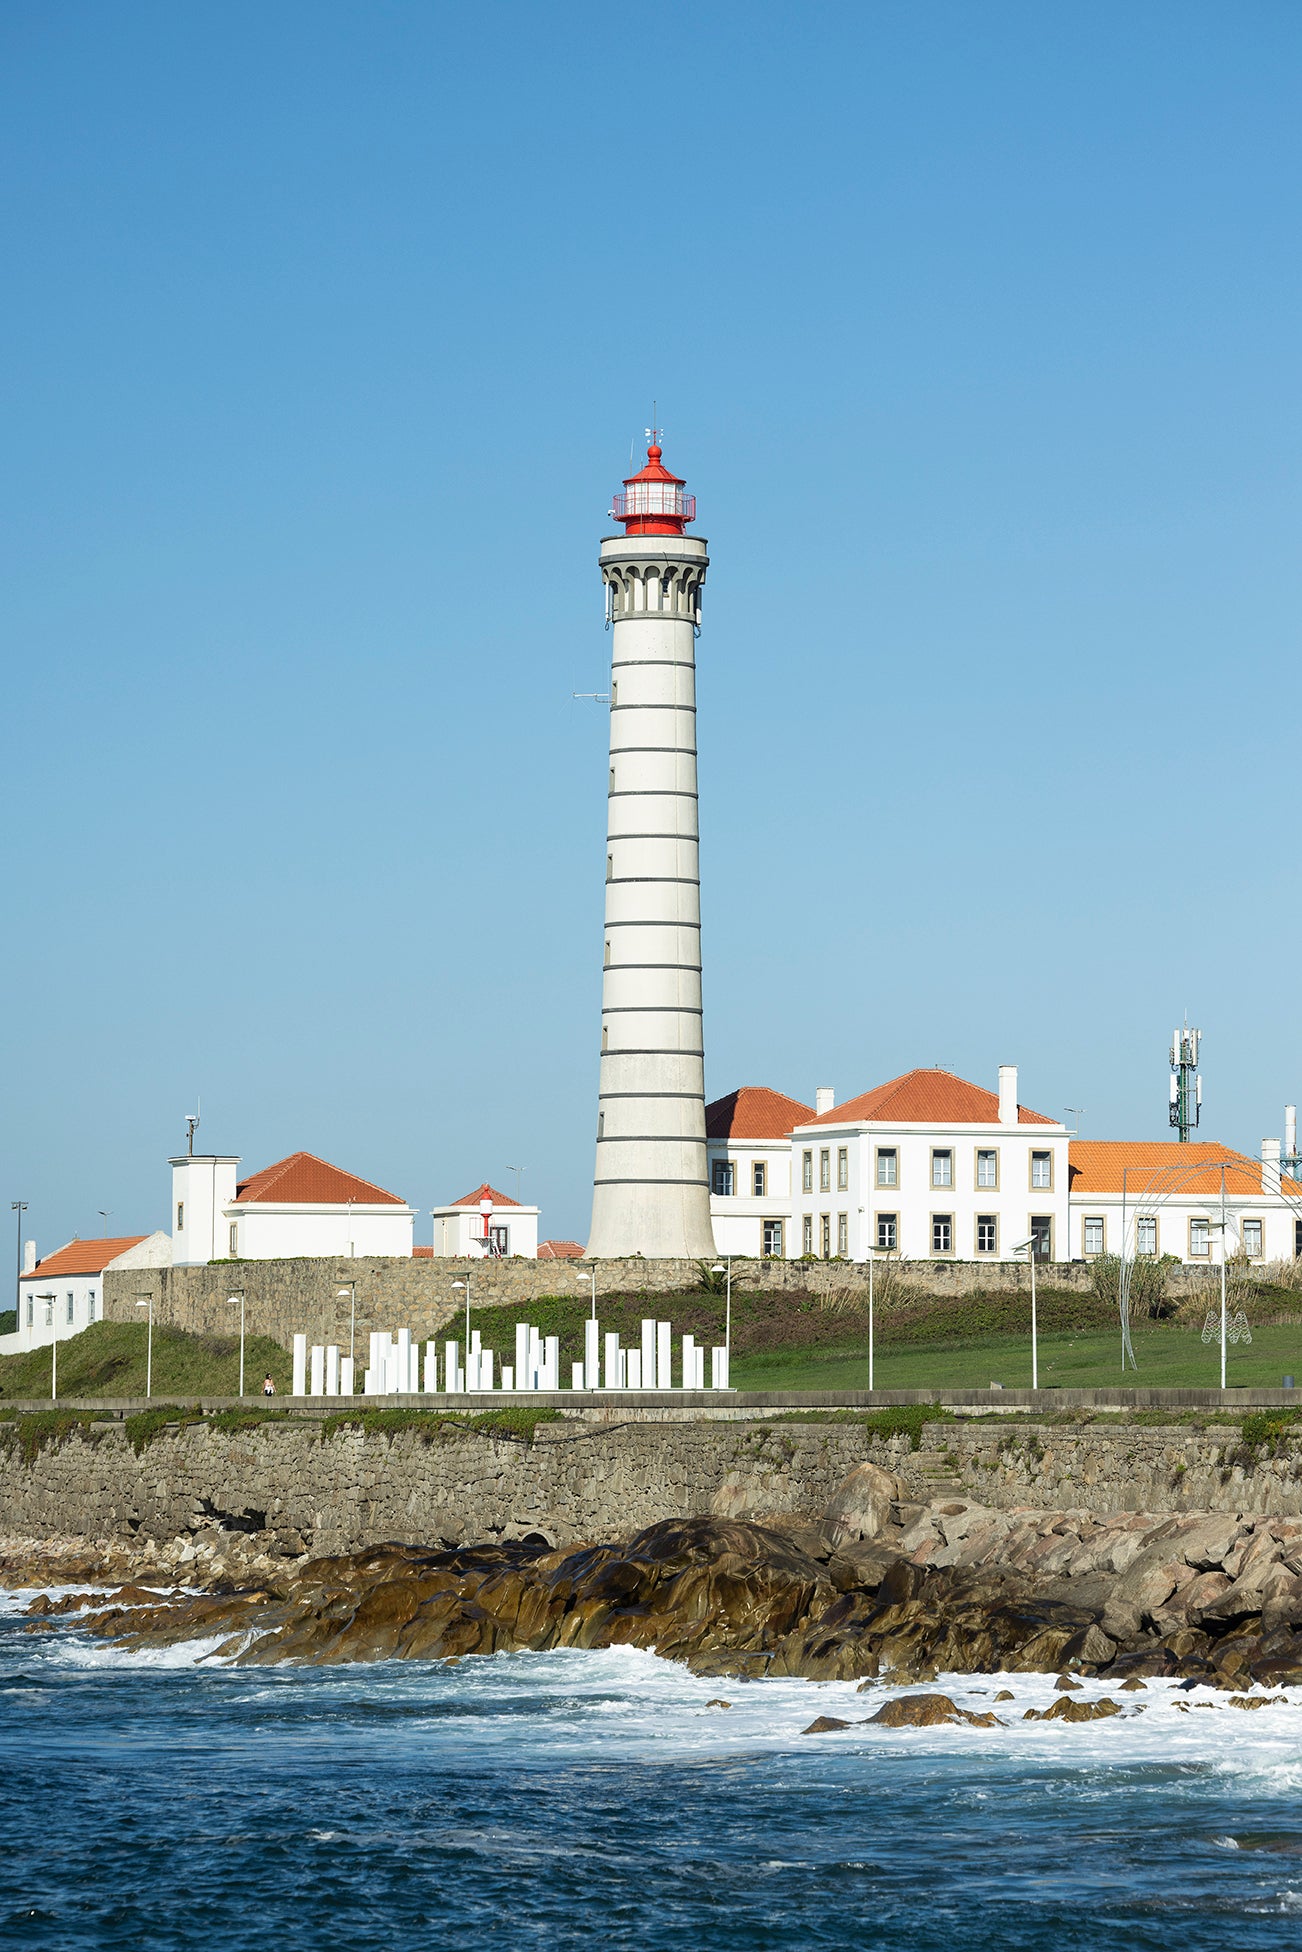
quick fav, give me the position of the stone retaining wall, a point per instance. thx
(298, 1490)
(283, 1297)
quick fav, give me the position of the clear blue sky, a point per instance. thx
(326, 331)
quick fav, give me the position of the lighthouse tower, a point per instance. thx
(650, 1193)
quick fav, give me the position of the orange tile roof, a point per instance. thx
(305, 1180)
(1153, 1167)
(925, 1098)
(754, 1112)
(83, 1257)
(422, 1253)
(485, 1192)
(559, 1250)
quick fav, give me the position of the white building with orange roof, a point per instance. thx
(62, 1294)
(748, 1144)
(486, 1224)
(300, 1208)
(1199, 1201)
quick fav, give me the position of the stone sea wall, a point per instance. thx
(295, 1488)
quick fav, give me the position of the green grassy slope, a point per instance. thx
(108, 1359)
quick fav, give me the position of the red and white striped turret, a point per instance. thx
(651, 1195)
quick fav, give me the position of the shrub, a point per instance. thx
(1150, 1281)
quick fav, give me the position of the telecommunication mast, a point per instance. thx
(1186, 1082)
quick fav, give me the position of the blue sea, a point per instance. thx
(598, 1799)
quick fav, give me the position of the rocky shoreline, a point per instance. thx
(874, 1588)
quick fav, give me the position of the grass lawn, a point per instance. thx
(108, 1359)
(1169, 1357)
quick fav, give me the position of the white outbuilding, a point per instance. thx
(300, 1208)
(485, 1224)
(64, 1293)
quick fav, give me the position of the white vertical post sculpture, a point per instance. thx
(317, 1385)
(612, 1359)
(664, 1355)
(551, 1363)
(453, 1383)
(648, 1353)
(591, 1351)
(719, 1368)
(332, 1369)
(431, 1367)
(347, 1371)
(298, 1387)
(633, 1368)
(650, 1194)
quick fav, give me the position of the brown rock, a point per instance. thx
(1134, 1686)
(1074, 1711)
(825, 1725)
(718, 1702)
(860, 1508)
(926, 1711)
(1005, 1694)
(1065, 1685)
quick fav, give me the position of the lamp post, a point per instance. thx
(230, 1303)
(873, 1251)
(466, 1285)
(54, 1346)
(19, 1208)
(350, 1289)
(1029, 1246)
(593, 1279)
(719, 1268)
(105, 1214)
(147, 1301)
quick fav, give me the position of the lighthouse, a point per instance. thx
(650, 1192)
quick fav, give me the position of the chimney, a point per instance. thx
(824, 1098)
(1290, 1132)
(1270, 1166)
(29, 1256)
(1008, 1094)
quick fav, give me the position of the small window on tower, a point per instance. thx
(610, 867)
(612, 779)
(608, 955)
(235, 1240)
(605, 1037)
(180, 1216)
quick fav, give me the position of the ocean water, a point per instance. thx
(597, 1799)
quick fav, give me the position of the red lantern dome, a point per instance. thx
(653, 502)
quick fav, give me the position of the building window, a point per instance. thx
(987, 1233)
(722, 1184)
(1297, 1240)
(807, 1172)
(825, 1234)
(843, 1234)
(1042, 1170)
(72, 1311)
(90, 1305)
(942, 1168)
(843, 1169)
(1252, 1238)
(1042, 1236)
(759, 1179)
(499, 1242)
(888, 1166)
(31, 1310)
(772, 1238)
(49, 1312)
(1200, 1239)
(888, 1232)
(807, 1234)
(234, 1247)
(942, 1233)
(180, 1216)
(1093, 1236)
(825, 1171)
(988, 1168)
(1146, 1236)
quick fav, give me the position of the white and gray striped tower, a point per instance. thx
(651, 1195)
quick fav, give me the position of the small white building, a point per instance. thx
(300, 1208)
(485, 1223)
(1156, 1197)
(748, 1146)
(64, 1293)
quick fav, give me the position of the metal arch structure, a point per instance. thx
(1165, 1183)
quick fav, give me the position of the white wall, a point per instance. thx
(202, 1187)
(738, 1217)
(55, 1322)
(1279, 1222)
(269, 1231)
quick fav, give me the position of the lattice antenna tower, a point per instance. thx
(1186, 1082)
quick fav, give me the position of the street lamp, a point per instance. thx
(105, 1214)
(592, 1278)
(230, 1302)
(873, 1251)
(1029, 1247)
(466, 1285)
(18, 1207)
(54, 1346)
(147, 1301)
(350, 1289)
(719, 1268)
